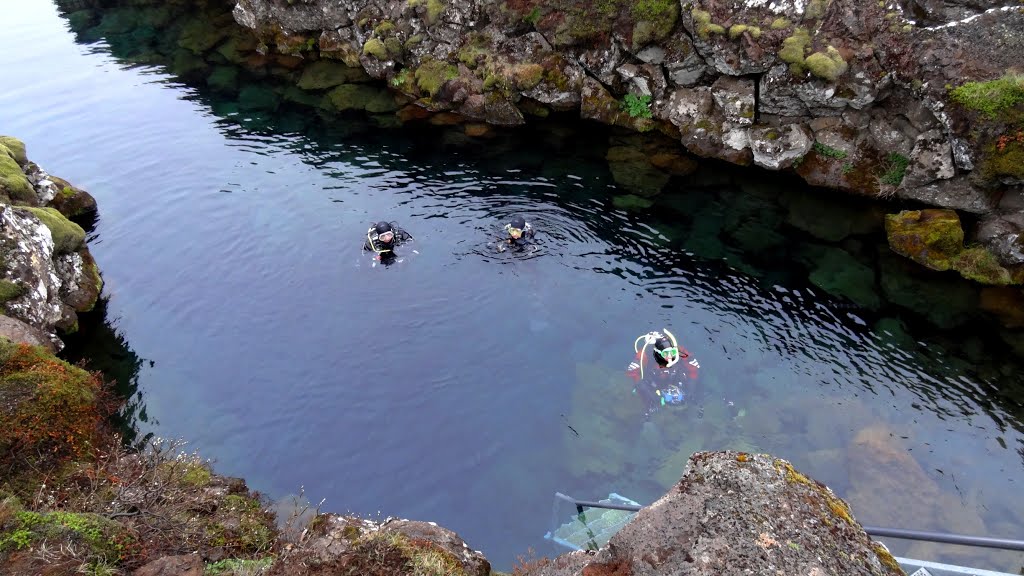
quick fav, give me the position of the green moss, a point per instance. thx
(993, 97)
(432, 75)
(980, 265)
(794, 47)
(702, 22)
(105, 539)
(413, 40)
(9, 291)
(434, 10)
(13, 182)
(998, 164)
(527, 76)
(886, 558)
(828, 65)
(929, 237)
(393, 46)
(384, 28)
(780, 23)
(197, 475)
(15, 148)
(232, 566)
(828, 151)
(67, 236)
(375, 47)
(655, 20)
(737, 30)
(816, 8)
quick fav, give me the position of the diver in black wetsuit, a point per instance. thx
(519, 235)
(383, 237)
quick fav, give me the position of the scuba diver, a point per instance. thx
(518, 235)
(666, 383)
(383, 237)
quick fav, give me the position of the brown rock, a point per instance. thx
(190, 565)
(17, 331)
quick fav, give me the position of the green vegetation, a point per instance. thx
(637, 106)
(828, 65)
(702, 21)
(896, 169)
(533, 17)
(104, 538)
(400, 79)
(1004, 159)
(978, 264)
(828, 151)
(737, 30)
(816, 9)
(15, 149)
(432, 74)
(13, 182)
(67, 236)
(375, 47)
(58, 415)
(235, 567)
(793, 49)
(991, 98)
(655, 20)
(780, 23)
(9, 290)
(384, 28)
(434, 10)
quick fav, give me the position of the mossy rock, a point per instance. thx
(930, 237)
(828, 65)
(631, 202)
(980, 265)
(360, 97)
(71, 201)
(15, 148)
(324, 74)
(433, 74)
(837, 272)
(13, 183)
(254, 97)
(794, 48)
(1003, 164)
(67, 236)
(223, 79)
(200, 34)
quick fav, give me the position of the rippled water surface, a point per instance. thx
(466, 387)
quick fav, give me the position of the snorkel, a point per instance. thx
(649, 339)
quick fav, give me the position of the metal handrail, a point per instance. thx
(960, 539)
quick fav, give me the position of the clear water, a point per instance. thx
(466, 387)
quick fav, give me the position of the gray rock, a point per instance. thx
(17, 331)
(736, 513)
(778, 148)
(735, 96)
(930, 160)
(1003, 235)
(956, 193)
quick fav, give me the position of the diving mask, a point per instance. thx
(515, 233)
(386, 237)
(668, 353)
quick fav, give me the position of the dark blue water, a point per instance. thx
(466, 387)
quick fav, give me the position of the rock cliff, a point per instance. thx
(918, 100)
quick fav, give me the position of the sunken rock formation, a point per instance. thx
(47, 274)
(890, 98)
(735, 513)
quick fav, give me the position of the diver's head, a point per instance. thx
(516, 227)
(385, 235)
(665, 352)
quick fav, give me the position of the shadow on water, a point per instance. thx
(795, 288)
(99, 345)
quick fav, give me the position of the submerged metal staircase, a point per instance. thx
(583, 532)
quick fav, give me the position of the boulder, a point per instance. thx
(928, 237)
(735, 513)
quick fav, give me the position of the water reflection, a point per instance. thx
(293, 366)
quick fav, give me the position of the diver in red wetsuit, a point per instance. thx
(667, 382)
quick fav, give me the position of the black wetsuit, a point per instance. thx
(374, 245)
(524, 241)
